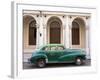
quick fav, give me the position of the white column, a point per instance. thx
(44, 34)
(37, 35)
(63, 37)
(44, 29)
(87, 39)
(66, 32)
(70, 31)
(63, 41)
(41, 29)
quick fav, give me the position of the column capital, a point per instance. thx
(64, 26)
(70, 26)
(37, 25)
(44, 26)
(87, 27)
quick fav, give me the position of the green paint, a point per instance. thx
(58, 56)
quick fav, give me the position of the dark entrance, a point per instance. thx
(32, 33)
(55, 32)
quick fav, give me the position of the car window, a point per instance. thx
(60, 48)
(53, 47)
(46, 48)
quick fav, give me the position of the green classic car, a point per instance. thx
(57, 53)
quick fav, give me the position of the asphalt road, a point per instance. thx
(26, 65)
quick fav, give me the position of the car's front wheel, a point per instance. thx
(41, 63)
(78, 61)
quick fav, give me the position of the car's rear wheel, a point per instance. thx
(41, 63)
(78, 61)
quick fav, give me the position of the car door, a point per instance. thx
(67, 56)
(60, 53)
(52, 54)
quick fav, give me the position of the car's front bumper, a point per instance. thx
(30, 61)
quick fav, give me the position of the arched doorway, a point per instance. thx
(54, 30)
(75, 33)
(78, 33)
(29, 28)
(32, 32)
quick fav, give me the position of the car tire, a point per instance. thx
(40, 63)
(78, 61)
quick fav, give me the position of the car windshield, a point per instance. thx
(46, 48)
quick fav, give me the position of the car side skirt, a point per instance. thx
(61, 62)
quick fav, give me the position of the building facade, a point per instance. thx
(45, 27)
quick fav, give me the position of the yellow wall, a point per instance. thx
(26, 36)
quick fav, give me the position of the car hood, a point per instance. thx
(35, 52)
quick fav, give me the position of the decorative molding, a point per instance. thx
(87, 17)
(45, 15)
(37, 25)
(63, 16)
(64, 26)
(40, 13)
(70, 25)
(37, 15)
(70, 17)
(44, 26)
(87, 27)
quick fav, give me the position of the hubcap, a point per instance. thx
(78, 61)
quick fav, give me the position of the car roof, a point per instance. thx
(49, 45)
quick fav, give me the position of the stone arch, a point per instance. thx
(78, 32)
(54, 30)
(29, 29)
